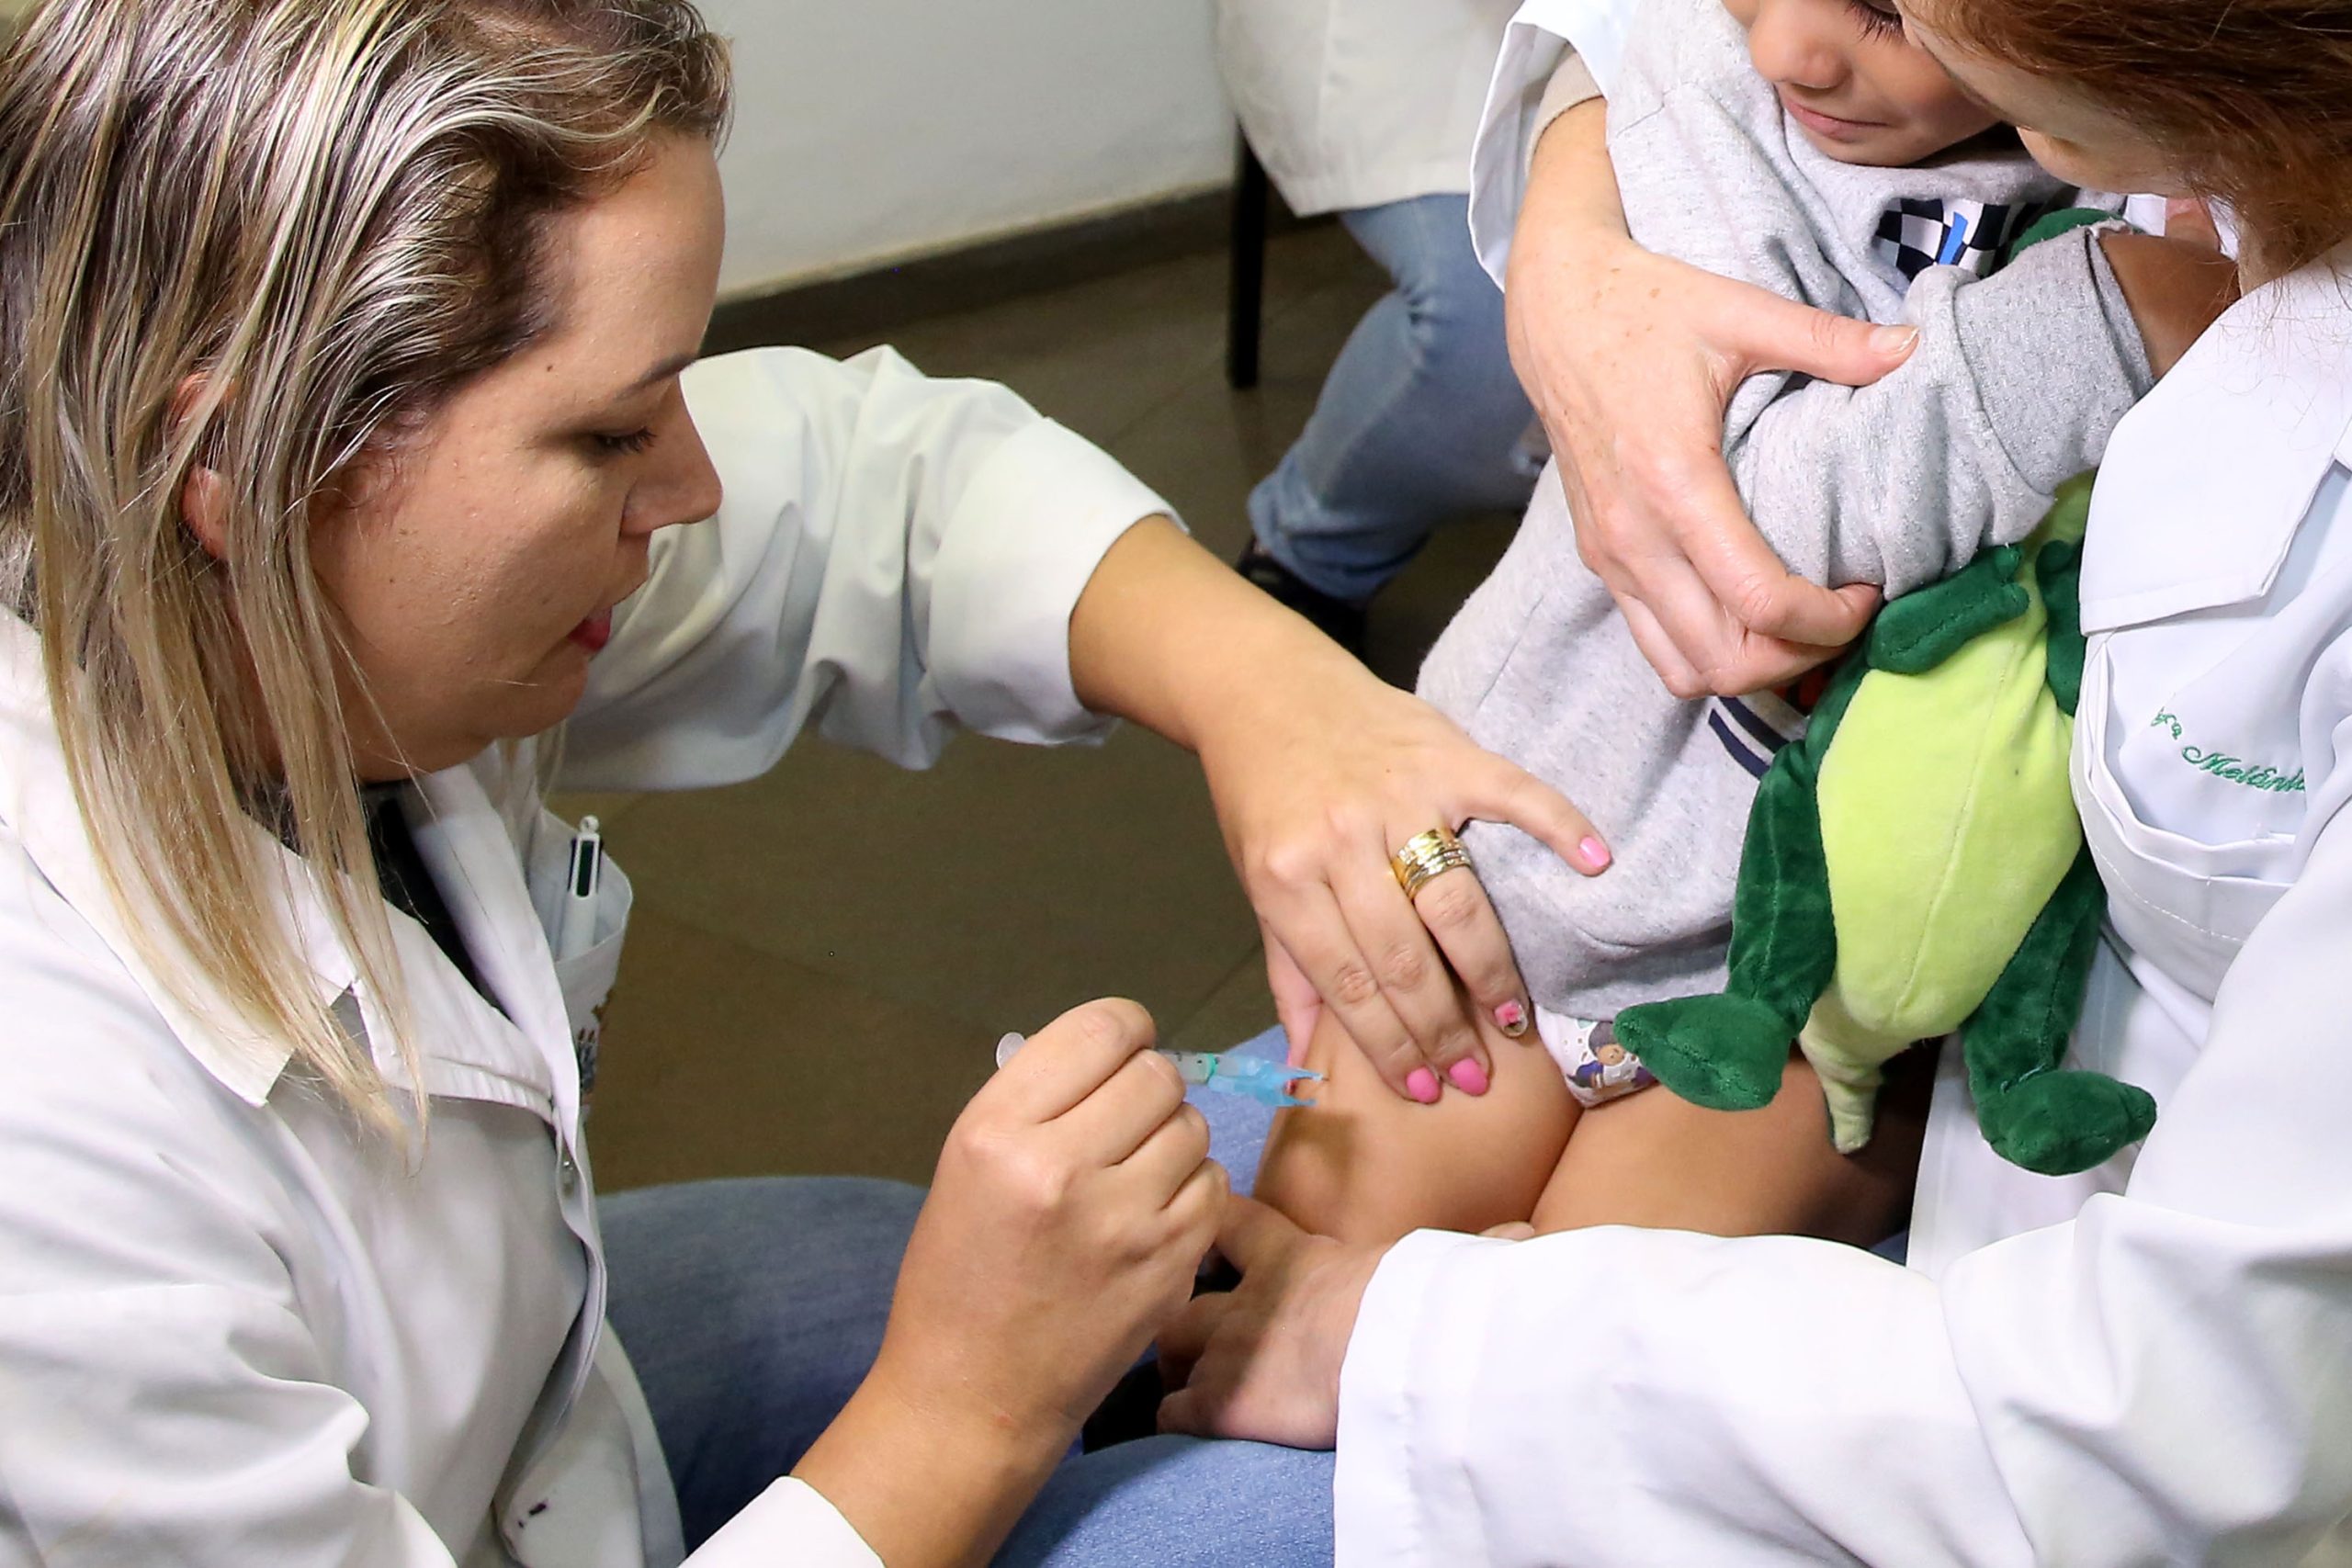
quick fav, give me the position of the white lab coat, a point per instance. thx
(2142, 1364)
(228, 1333)
(1358, 103)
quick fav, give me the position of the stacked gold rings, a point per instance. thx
(1428, 855)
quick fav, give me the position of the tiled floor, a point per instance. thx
(777, 1014)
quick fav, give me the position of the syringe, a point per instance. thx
(1251, 1076)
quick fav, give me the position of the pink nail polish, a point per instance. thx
(1596, 854)
(1421, 1084)
(1511, 1019)
(1468, 1076)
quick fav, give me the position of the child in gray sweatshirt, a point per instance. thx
(1864, 184)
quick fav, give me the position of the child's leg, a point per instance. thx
(1656, 1160)
(1365, 1164)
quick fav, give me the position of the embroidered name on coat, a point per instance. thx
(2231, 768)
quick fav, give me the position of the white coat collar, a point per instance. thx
(37, 800)
(473, 1051)
(2206, 483)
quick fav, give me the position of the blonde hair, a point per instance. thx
(262, 238)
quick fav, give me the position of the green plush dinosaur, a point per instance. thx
(1915, 866)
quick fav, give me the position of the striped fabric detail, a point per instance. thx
(1753, 728)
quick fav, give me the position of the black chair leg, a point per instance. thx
(1245, 310)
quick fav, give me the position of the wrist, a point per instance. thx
(1172, 638)
(927, 1476)
(1572, 186)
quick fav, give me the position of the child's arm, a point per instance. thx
(2016, 382)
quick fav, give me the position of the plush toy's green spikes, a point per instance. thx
(1922, 629)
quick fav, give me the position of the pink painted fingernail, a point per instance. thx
(1596, 854)
(1421, 1084)
(1468, 1076)
(1511, 1019)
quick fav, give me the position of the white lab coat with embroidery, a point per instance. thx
(230, 1334)
(2146, 1363)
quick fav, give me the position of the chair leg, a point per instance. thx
(1245, 310)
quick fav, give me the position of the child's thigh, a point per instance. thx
(1655, 1160)
(1365, 1164)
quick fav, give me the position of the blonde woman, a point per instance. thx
(350, 443)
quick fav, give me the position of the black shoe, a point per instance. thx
(1338, 619)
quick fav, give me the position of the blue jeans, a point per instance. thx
(1420, 418)
(752, 1309)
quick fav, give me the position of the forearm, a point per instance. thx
(1168, 635)
(1571, 190)
(925, 1488)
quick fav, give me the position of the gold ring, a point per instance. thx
(1428, 855)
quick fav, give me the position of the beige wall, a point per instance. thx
(873, 129)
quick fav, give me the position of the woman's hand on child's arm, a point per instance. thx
(1321, 772)
(1071, 1207)
(1631, 359)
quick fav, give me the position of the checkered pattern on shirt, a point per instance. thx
(1915, 233)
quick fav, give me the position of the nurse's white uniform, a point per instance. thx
(2148, 1363)
(231, 1335)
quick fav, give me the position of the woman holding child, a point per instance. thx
(2132, 1365)
(351, 441)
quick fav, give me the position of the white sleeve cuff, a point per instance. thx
(790, 1522)
(1378, 1518)
(1030, 533)
(1541, 36)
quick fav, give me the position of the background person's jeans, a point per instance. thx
(751, 1309)
(1420, 418)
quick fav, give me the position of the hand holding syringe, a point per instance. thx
(1253, 1078)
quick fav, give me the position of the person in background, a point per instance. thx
(1367, 108)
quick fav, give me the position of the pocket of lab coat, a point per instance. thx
(586, 977)
(2188, 904)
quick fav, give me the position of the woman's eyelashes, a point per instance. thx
(1878, 20)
